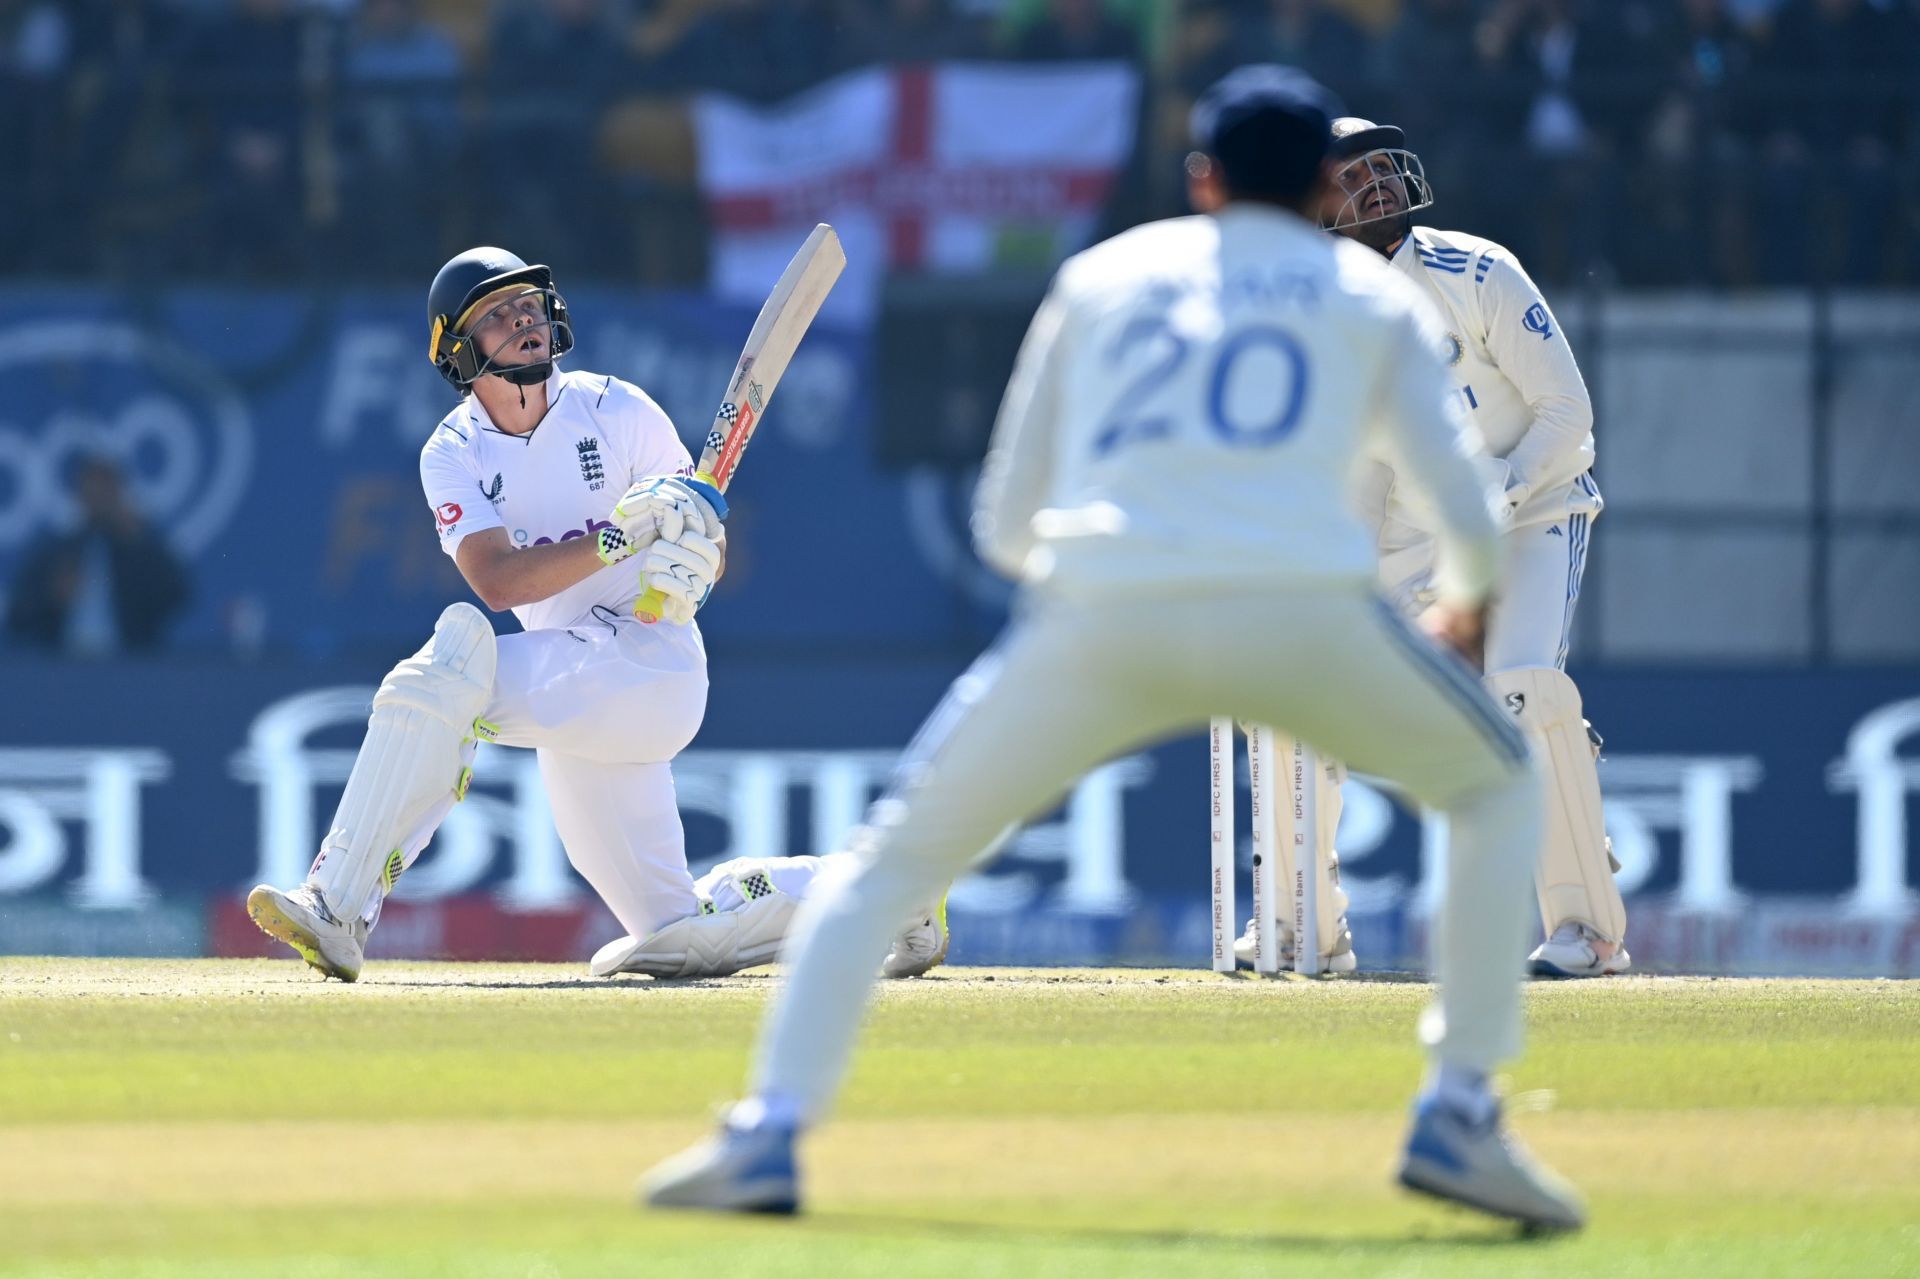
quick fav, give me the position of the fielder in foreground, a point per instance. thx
(1169, 479)
(521, 478)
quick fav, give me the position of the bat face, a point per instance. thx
(782, 322)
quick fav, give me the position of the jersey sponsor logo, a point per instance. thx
(447, 515)
(521, 536)
(1536, 320)
(590, 468)
(493, 490)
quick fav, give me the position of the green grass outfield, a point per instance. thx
(227, 1118)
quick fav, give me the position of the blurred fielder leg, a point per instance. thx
(1031, 716)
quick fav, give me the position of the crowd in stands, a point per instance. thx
(1718, 143)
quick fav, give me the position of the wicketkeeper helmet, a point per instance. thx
(1355, 139)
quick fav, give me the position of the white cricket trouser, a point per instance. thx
(1530, 626)
(1532, 617)
(605, 710)
(1072, 684)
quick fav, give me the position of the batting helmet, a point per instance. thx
(451, 303)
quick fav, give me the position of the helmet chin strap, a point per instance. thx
(524, 375)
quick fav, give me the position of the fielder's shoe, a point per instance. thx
(1481, 1165)
(1574, 951)
(738, 1169)
(921, 946)
(1342, 960)
(301, 919)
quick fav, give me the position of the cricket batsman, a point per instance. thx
(1169, 481)
(561, 495)
(1514, 375)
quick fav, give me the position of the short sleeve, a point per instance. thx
(459, 506)
(657, 446)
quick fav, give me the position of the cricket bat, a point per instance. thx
(783, 321)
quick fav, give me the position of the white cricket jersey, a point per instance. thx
(558, 481)
(1512, 370)
(1191, 404)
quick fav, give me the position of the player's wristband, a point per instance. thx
(612, 545)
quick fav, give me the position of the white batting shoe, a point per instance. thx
(1572, 952)
(302, 920)
(1342, 960)
(921, 946)
(739, 1169)
(1478, 1163)
(710, 944)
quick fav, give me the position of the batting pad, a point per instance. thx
(412, 764)
(1575, 877)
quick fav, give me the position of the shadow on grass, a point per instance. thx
(624, 982)
(1365, 977)
(1477, 1235)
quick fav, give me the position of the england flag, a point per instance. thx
(948, 168)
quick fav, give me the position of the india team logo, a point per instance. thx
(1455, 348)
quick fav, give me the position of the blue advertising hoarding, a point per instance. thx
(1773, 810)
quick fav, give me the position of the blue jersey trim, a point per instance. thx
(1439, 264)
(1577, 535)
